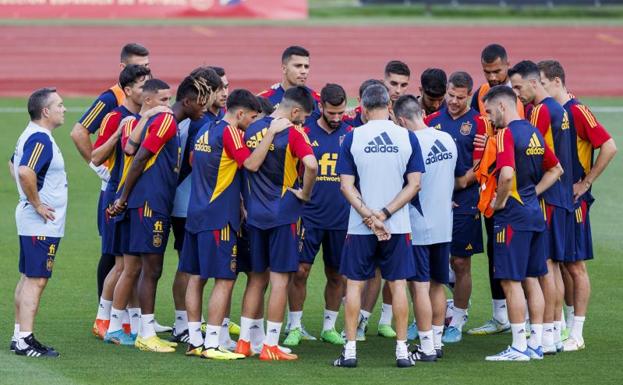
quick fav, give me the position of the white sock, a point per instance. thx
(212, 333)
(536, 336)
(135, 319)
(437, 334)
(147, 326)
(194, 333)
(458, 318)
(103, 311)
(386, 315)
(527, 313)
(500, 312)
(577, 328)
(15, 336)
(273, 329)
(557, 332)
(125, 317)
(548, 334)
(426, 341)
(21, 344)
(364, 316)
(181, 321)
(519, 336)
(569, 315)
(401, 349)
(245, 328)
(257, 332)
(294, 319)
(116, 320)
(330, 317)
(224, 338)
(350, 350)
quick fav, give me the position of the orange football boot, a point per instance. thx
(244, 347)
(100, 327)
(273, 353)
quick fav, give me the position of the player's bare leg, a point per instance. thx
(550, 294)
(462, 290)
(102, 319)
(180, 282)
(251, 317)
(193, 305)
(581, 296)
(437, 295)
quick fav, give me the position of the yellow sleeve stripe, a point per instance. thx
(500, 140)
(534, 116)
(235, 136)
(588, 115)
(105, 122)
(166, 122)
(127, 129)
(34, 157)
(93, 114)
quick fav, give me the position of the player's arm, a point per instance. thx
(301, 148)
(80, 136)
(37, 155)
(505, 161)
(256, 158)
(607, 151)
(134, 140)
(553, 171)
(90, 122)
(11, 169)
(107, 138)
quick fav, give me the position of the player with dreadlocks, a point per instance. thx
(148, 195)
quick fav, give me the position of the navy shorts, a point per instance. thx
(466, 235)
(178, 225)
(332, 242)
(121, 236)
(210, 254)
(37, 255)
(363, 254)
(107, 226)
(518, 254)
(275, 249)
(432, 263)
(582, 230)
(244, 249)
(101, 210)
(149, 232)
(560, 234)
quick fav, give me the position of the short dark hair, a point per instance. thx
(368, 83)
(333, 94)
(133, 49)
(294, 50)
(374, 97)
(265, 105)
(220, 71)
(434, 82)
(397, 67)
(209, 75)
(301, 96)
(501, 91)
(407, 107)
(39, 100)
(155, 85)
(492, 52)
(552, 69)
(525, 68)
(242, 98)
(131, 74)
(461, 79)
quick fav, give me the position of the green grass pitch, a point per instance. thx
(69, 304)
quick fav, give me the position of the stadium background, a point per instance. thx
(348, 44)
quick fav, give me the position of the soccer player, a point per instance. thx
(41, 181)
(107, 150)
(431, 225)
(495, 65)
(396, 78)
(386, 161)
(148, 194)
(587, 135)
(527, 167)
(187, 130)
(324, 221)
(294, 72)
(432, 89)
(88, 124)
(462, 122)
(210, 247)
(273, 201)
(354, 117)
(553, 123)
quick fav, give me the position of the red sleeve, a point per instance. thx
(588, 127)
(109, 126)
(481, 129)
(549, 159)
(128, 126)
(299, 143)
(506, 149)
(159, 132)
(539, 118)
(429, 118)
(234, 145)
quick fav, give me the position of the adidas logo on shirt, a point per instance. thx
(381, 143)
(438, 152)
(535, 147)
(202, 143)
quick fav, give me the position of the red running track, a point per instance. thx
(84, 60)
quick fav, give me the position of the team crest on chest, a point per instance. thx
(466, 128)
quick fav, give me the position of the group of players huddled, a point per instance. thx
(392, 190)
